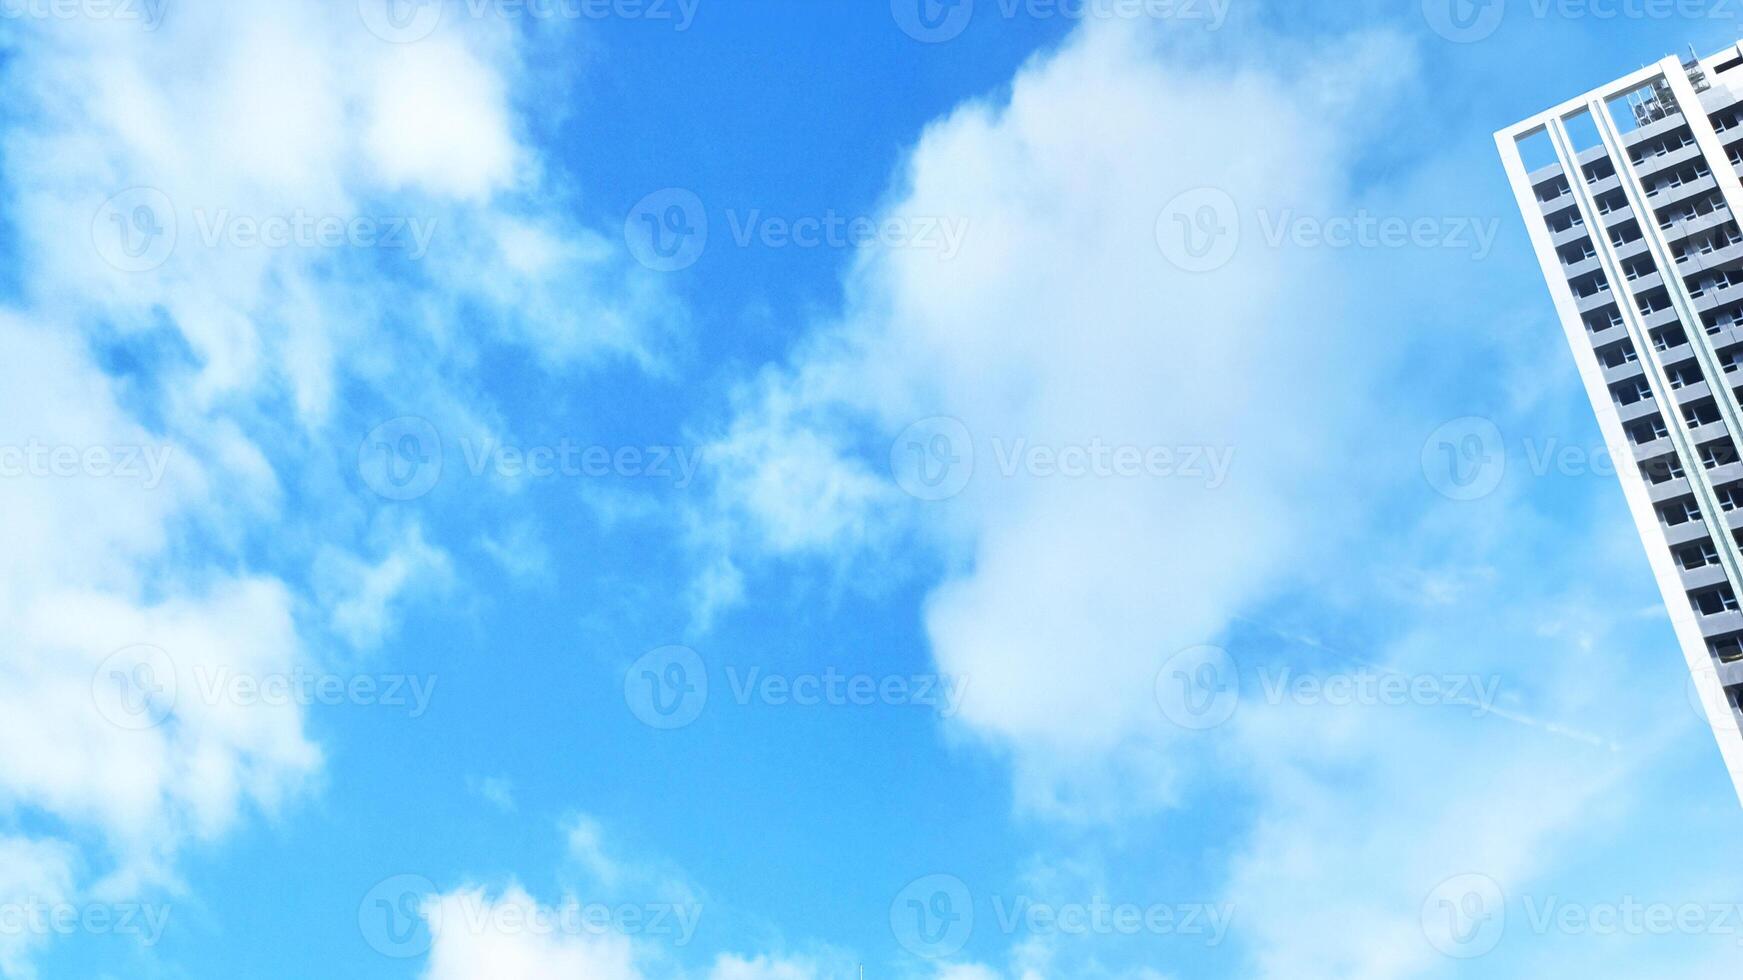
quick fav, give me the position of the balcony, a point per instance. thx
(1689, 394)
(1621, 372)
(1594, 300)
(1686, 532)
(1704, 577)
(1652, 450)
(1729, 621)
(1668, 490)
(1656, 164)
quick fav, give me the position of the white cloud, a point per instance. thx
(1062, 323)
(438, 121)
(139, 167)
(498, 791)
(474, 935)
(586, 841)
(762, 968)
(361, 595)
(36, 872)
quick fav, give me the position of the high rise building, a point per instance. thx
(1631, 195)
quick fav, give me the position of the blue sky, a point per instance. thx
(953, 562)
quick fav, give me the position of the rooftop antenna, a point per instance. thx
(1697, 74)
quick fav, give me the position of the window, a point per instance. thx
(1698, 555)
(1730, 497)
(1715, 600)
(1661, 470)
(1646, 430)
(1703, 412)
(1678, 512)
(1631, 391)
(1728, 648)
(1720, 452)
(1683, 375)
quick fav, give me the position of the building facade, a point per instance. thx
(1631, 194)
